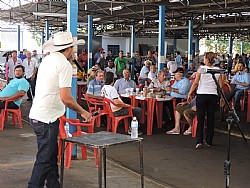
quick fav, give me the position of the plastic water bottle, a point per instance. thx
(134, 128)
(66, 126)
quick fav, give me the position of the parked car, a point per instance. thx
(3, 55)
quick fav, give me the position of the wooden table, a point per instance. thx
(81, 88)
(102, 140)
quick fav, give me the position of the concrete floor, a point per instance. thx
(169, 160)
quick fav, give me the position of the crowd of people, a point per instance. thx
(196, 94)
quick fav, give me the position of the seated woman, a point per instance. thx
(186, 110)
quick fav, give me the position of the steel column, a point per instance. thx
(190, 40)
(161, 56)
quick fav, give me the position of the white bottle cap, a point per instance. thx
(134, 118)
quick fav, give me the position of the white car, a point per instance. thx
(3, 55)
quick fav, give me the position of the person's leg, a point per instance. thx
(29, 92)
(201, 109)
(238, 94)
(32, 84)
(45, 166)
(189, 116)
(178, 114)
(212, 104)
(137, 112)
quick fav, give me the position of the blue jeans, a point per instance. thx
(45, 167)
(238, 94)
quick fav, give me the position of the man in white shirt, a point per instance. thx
(144, 72)
(160, 84)
(53, 93)
(30, 65)
(171, 65)
(109, 91)
(12, 63)
(152, 73)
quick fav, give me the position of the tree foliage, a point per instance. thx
(220, 45)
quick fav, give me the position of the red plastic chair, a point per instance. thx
(16, 113)
(94, 104)
(243, 99)
(116, 120)
(69, 146)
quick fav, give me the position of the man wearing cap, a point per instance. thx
(120, 64)
(53, 93)
(83, 57)
(181, 86)
(98, 54)
(110, 57)
(91, 72)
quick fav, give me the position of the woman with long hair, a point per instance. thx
(206, 101)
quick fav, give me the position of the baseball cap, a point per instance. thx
(101, 49)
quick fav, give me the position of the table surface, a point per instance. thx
(166, 98)
(81, 83)
(102, 139)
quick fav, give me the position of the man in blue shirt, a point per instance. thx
(15, 89)
(242, 81)
(178, 59)
(95, 86)
(123, 83)
(181, 86)
(22, 54)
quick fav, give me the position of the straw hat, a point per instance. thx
(147, 63)
(61, 40)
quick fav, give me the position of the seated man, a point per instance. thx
(159, 84)
(110, 92)
(191, 69)
(144, 72)
(181, 86)
(95, 86)
(15, 89)
(186, 110)
(242, 81)
(152, 74)
(125, 82)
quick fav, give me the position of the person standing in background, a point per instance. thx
(30, 65)
(206, 101)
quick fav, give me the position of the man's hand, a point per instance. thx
(86, 116)
(183, 103)
(158, 89)
(4, 98)
(194, 108)
(168, 88)
(32, 77)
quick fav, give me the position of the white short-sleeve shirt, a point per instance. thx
(110, 92)
(29, 68)
(11, 66)
(55, 72)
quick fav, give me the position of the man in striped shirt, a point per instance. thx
(95, 86)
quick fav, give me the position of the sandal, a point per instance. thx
(187, 132)
(172, 132)
(198, 146)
